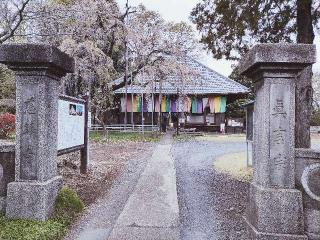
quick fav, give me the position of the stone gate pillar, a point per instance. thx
(275, 209)
(38, 70)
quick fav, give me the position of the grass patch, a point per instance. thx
(183, 137)
(124, 136)
(67, 208)
(235, 165)
(220, 138)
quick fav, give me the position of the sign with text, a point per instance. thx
(71, 124)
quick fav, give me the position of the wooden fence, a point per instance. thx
(125, 128)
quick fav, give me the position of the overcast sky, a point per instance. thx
(179, 10)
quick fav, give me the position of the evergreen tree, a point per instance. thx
(230, 27)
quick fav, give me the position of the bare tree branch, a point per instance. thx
(13, 23)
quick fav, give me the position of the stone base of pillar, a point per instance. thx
(256, 235)
(312, 223)
(312, 236)
(275, 214)
(2, 204)
(32, 199)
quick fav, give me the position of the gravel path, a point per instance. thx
(211, 204)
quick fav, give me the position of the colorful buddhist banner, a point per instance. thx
(135, 104)
(187, 104)
(157, 104)
(217, 104)
(211, 104)
(163, 104)
(174, 105)
(205, 103)
(180, 103)
(139, 103)
(194, 106)
(123, 104)
(129, 105)
(168, 104)
(145, 105)
(199, 105)
(223, 104)
(149, 105)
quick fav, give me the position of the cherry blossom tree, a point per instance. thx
(12, 13)
(96, 33)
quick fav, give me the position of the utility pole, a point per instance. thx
(126, 71)
(142, 115)
(126, 86)
(160, 100)
(131, 87)
(178, 106)
(152, 100)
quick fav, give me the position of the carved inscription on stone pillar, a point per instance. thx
(28, 163)
(280, 135)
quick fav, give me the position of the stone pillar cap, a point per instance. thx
(278, 54)
(34, 56)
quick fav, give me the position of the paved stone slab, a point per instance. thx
(95, 234)
(145, 233)
(152, 210)
(99, 218)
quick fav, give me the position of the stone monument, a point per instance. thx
(308, 181)
(38, 70)
(275, 208)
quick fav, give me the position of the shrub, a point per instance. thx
(315, 118)
(7, 125)
(67, 207)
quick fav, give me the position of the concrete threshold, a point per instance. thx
(152, 211)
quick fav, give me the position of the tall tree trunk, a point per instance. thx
(304, 90)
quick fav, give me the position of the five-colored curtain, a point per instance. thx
(216, 104)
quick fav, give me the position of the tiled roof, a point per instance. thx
(206, 81)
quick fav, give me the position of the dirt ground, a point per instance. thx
(106, 163)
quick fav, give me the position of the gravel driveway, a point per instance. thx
(211, 204)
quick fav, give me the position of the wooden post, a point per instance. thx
(126, 85)
(177, 109)
(84, 153)
(152, 107)
(132, 123)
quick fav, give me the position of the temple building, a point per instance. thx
(199, 102)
